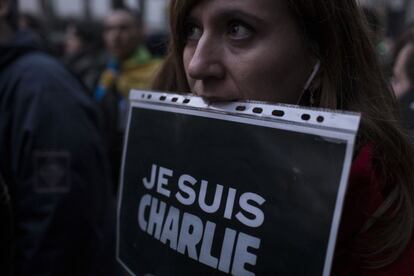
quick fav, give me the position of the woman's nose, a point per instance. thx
(206, 61)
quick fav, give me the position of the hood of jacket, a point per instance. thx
(22, 42)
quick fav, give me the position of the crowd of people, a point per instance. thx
(62, 122)
(61, 129)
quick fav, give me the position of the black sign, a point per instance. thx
(211, 195)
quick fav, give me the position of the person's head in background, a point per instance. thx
(122, 33)
(402, 62)
(373, 21)
(270, 50)
(29, 22)
(8, 19)
(403, 80)
(81, 36)
(377, 33)
(403, 70)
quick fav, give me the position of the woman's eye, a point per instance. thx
(239, 31)
(193, 32)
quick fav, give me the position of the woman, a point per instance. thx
(314, 53)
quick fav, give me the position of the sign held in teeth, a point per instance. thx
(209, 190)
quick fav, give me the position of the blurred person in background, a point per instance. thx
(31, 23)
(376, 28)
(28, 21)
(53, 162)
(131, 65)
(157, 44)
(83, 53)
(403, 80)
(396, 13)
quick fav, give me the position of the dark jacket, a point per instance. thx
(54, 163)
(6, 230)
(87, 65)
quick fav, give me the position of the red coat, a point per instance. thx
(362, 199)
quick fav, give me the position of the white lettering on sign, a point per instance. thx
(149, 184)
(244, 204)
(217, 198)
(187, 195)
(162, 180)
(164, 225)
(187, 234)
(230, 203)
(170, 229)
(190, 195)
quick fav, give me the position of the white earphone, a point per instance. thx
(312, 75)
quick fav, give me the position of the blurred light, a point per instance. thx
(132, 4)
(156, 15)
(100, 8)
(29, 6)
(69, 8)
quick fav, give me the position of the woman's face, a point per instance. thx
(245, 49)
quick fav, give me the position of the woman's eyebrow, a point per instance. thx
(231, 12)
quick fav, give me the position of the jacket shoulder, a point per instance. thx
(37, 64)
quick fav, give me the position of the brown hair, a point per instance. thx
(350, 79)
